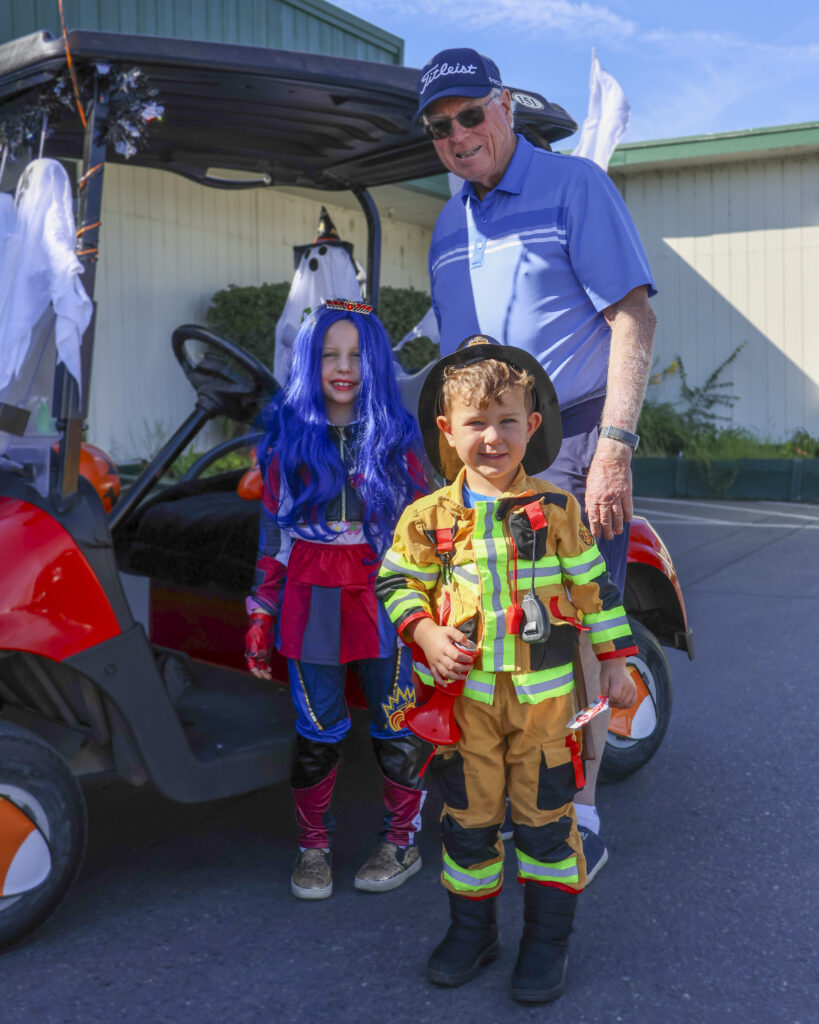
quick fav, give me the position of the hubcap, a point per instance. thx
(25, 857)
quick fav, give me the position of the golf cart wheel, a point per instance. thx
(42, 832)
(635, 736)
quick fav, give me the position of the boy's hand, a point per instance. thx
(257, 644)
(617, 684)
(437, 643)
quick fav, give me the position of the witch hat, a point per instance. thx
(326, 234)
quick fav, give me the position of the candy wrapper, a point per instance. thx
(587, 714)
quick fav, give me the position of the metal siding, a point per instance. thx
(166, 246)
(314, 27)
(735, 252)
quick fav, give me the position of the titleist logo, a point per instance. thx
(447, 69)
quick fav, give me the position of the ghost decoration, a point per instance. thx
(324, 269)
(40, 270)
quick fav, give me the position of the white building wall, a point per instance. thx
(166, 246)
(735, 252)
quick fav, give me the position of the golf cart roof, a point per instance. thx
(299, 118)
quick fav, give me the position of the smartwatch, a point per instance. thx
(618, 434)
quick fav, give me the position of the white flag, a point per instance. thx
(608, 117)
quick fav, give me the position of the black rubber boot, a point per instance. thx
(470, 942)
(540, 971)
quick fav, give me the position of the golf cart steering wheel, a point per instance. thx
(227, 380)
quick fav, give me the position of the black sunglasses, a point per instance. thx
(441, 127)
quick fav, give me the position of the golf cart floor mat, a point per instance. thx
(224, 712)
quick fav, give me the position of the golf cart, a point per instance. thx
(122, 631)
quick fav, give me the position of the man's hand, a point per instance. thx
(257, 644)
(438, 644)
(608, 488)
(617, 684)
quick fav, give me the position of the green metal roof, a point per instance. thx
(726, 146)
(313, 26)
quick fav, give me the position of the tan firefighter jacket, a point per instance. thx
(471, 567)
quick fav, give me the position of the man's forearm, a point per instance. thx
(632, 323)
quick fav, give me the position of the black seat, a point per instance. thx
(199, 533)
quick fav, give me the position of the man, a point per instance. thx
(538, 250)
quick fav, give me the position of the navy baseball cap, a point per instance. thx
(458, 72)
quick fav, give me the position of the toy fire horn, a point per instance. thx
(434, 721)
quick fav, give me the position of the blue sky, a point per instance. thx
(687, 68)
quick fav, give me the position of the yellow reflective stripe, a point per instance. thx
(592, 618)
(394, 564)
(584, 567)
(550, 682)
(423, 673)
(583, 559)
(403, 602)
(598, 636)
(480, 686)
(472, 879)
(553, 871)
(528, 697)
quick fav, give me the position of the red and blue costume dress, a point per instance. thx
(321, 593)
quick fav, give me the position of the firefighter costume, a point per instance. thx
(474, 568)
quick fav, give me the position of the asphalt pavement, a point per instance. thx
(706, 912)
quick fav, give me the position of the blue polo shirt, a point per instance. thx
(535, 262)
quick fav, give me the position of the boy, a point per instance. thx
(504, 560)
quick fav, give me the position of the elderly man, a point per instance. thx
(539, 251)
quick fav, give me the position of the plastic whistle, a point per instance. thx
(587, 714)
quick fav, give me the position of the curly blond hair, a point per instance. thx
(480, 383)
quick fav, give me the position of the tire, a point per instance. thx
(623, 756)
(38, 782)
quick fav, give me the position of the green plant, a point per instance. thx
(400, 309)
(247, 315)
(689, 425)
(239, 459)
(699, 403)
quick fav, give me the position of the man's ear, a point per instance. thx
(534, 421)
(446, 429)
(506, 103)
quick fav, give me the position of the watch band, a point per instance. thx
(618, 434)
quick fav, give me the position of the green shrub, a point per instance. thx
(400, 309)
(690, 425)
(248, 315)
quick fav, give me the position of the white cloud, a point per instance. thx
(561, 16)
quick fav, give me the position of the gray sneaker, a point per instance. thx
(389, 867)
(312, 879)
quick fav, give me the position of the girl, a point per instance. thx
(340, 466)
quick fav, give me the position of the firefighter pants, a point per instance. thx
(524, 750)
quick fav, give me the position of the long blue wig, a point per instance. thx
(309, 462)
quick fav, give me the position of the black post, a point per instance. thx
(70, 407)
(367, 204)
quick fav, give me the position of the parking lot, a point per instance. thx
(706, 911)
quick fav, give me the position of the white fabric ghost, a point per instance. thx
(44, 269)
(10, 241)
(324, 272)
